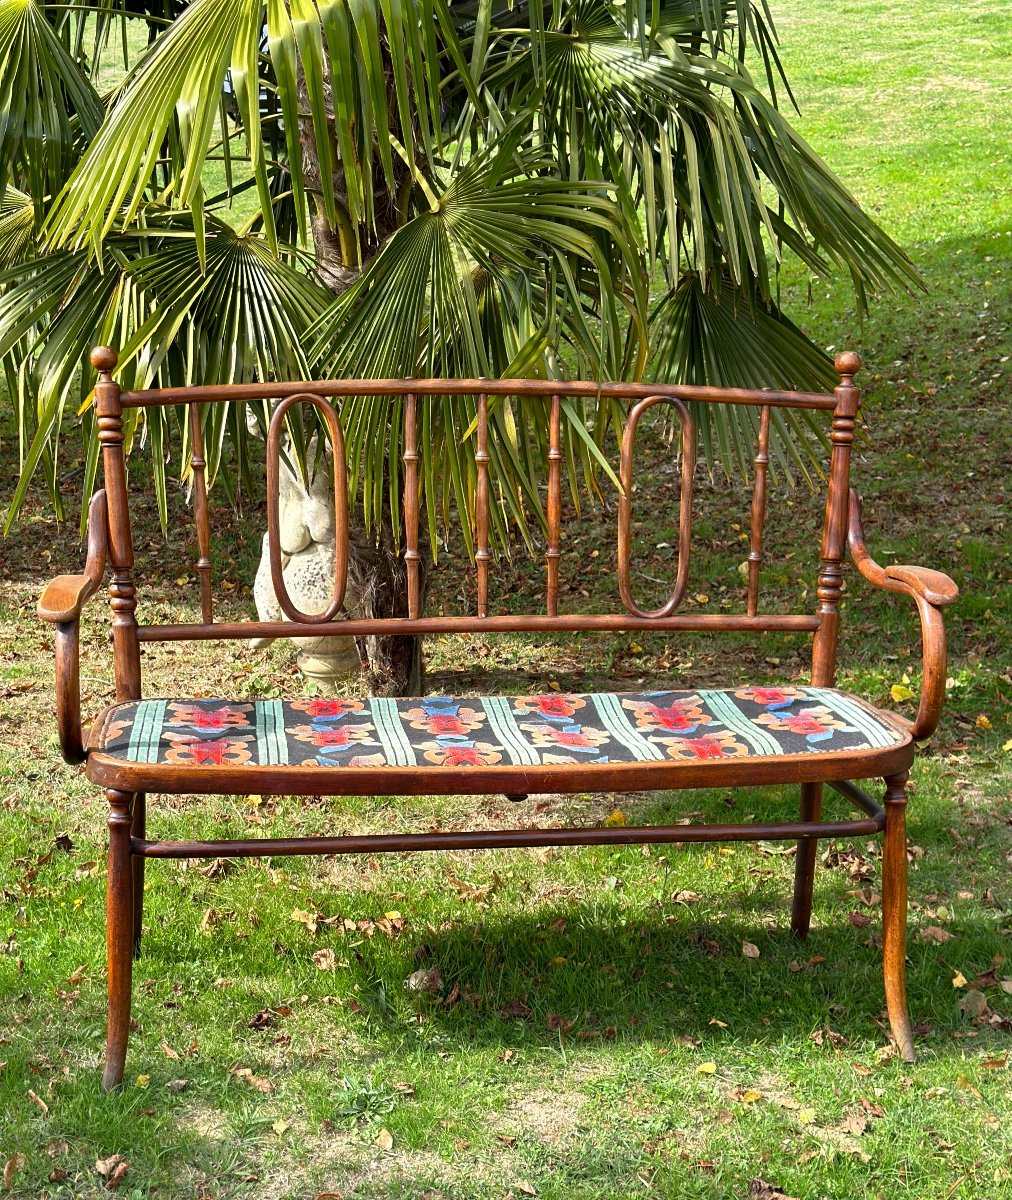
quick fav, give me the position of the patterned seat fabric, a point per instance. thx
(488, 731)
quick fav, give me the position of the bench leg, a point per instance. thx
(894, 915)
(137, 830)
(119, 919)
(804, 863)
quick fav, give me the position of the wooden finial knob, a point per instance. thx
(103, 358)
(847, 363)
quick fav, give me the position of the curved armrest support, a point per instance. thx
(61, 604)
(929, 590)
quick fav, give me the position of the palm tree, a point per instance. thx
(481, 188)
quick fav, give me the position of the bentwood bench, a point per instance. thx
(812, 735)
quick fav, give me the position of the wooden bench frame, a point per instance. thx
(109, 545)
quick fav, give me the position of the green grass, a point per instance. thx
(641, 952)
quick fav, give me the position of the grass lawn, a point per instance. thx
(595, 1029)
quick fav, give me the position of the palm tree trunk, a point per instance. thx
(377, 577)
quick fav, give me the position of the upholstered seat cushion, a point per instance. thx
(443, 733)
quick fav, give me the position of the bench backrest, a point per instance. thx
(325, 396)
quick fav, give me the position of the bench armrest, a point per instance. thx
(930, 591)
(61, 604)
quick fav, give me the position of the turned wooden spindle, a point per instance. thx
(198, 467)
(554, 508)
(755, 552)
(122, 593)
(412, 557)
(834, 528)
(481, 553)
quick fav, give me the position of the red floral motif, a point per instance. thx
(770, 696)
(815, 724)
(677, 717)
(327, 708)
(209, 718)
(476, 754)
(444, 724)
(337, 737)
(573, 737)
(197, 752)
(552, 705)
(719, 744)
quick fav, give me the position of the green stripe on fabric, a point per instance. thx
(145, 735)
(387, 719)
(724, 708)
(272, 743)
(616, 720)
(502, 722)
(875, 733)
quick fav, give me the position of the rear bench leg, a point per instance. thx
(137, 830)
(804, 863)
(119, 920)
(894, 914)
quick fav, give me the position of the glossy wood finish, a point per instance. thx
(198, 467)
(412, 556)
(482, 555)
(804, 862)
(688, 465)
(930, 591)
(336, 388)
(755, 550)
(126, 783)
(119, 906)
(61, 604)
(275, 432)
(520, 623)
(501, 839)
(553, 508)
(894, 915)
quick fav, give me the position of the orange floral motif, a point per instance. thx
(186, 750)
(466, 754)
(770, 697)
(225, 716)
(720, 743)
(553, 706)
(571, 737)
(320, 709)
(680, 716)
(456, 722)
(334, 737)
(814, 724)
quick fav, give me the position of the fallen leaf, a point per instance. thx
(749, 950)
(325, 959)
(425, 980)
(143, 1080)
(759, 1189)
(557, 1024)
(900, 692)
(255, 1081)
(385, 1140)
(177, 1085)
(106, 1166)
(280, 1127)
(982, 721)
(169, 1052)
(959, 980)
(78, 975)
(707, 1068)
(264, 1019)
(58, 1175)
(859, 920)
(1006, 985)
(995, 1064)
(614, 819)
(934, 933)
(806, 1115)
(749, 1096)
(39, 1103)
(517, 1008)
(306, 918)
(14, 1164)
(330, 1196)
(527, 1188)
(116, 1178)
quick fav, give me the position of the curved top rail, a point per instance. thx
(273, 390)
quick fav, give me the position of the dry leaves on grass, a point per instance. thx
(14, 1164)
(255, 1081)
(935, 933)
(749, 950)
(759, 1189)
(112, 1170)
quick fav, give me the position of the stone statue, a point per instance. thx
(307, 536)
